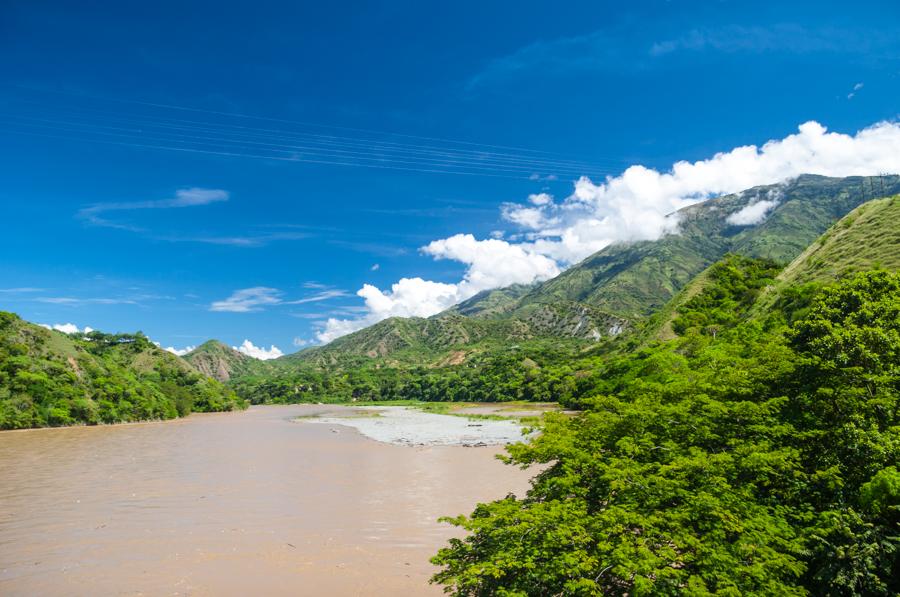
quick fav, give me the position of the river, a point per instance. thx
(249, 503)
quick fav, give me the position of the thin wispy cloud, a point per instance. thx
(784, 37)
(97, 215)
(343, 311)
(248, 299)
(543, 178)
(382, 250)
(320, 296)
(594, 51)
(76, 301)
(21, 290)
(191, 197)
(255, 299)
(251, 241)
(619, 50)
(432, 212)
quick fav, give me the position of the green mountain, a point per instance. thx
(48, 378)
(868, 238)
(221, 362)
(633, 280)
(618, 287)
(492, 303)
(756, 412)
(411, 340)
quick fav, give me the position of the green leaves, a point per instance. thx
(756, 462)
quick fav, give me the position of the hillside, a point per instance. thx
(866, 238)
(492, 303)
(413, 340)
(633, 280)
(48, 378)
(221, 362)
(616, 288)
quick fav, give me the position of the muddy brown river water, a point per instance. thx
(244, 503)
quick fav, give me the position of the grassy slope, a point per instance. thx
(492, 303)
(867, 238)
(219, 361)
(659, 325)
(414, 341)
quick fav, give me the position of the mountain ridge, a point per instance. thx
(219, 361)
(623, 284)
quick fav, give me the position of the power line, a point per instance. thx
(278, 120)
(266, 157)
(487, 160)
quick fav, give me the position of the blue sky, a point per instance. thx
(240, 170)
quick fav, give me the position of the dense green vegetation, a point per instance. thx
(50, 379)
(738, 283)
(758, 460)
(534, 370)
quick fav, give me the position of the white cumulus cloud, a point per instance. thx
(757, 210)
(752, 214)
(179, 351)
(636, 204)
(258, 352)
(67, 328)
(492, 263)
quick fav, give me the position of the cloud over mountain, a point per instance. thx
(258, 352)
(637, 205)
(491, 263)
(67, 328)
(179, 351)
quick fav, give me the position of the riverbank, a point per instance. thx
(408, 426)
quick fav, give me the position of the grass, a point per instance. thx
(867, 238)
